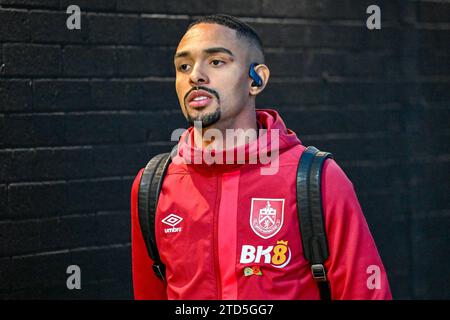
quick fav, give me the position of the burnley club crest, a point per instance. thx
(266, 216)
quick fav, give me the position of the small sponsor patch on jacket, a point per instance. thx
(172, 220)
(252, 271)
(277, 256)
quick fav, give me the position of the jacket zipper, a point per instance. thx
(216, 238)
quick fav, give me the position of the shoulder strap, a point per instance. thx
(149, 189)
(310, 215)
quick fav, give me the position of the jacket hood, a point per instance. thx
(273, 139)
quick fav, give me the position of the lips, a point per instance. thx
(199, 98)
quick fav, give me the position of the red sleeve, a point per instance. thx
(355, 269)
(146, 285)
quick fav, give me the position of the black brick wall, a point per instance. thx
(82, 110)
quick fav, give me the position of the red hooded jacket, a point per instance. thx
(226, 231)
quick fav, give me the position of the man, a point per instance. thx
(234, 230)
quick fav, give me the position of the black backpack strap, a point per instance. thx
(149, 189)
(310, 215)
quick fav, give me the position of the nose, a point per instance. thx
(198, 75)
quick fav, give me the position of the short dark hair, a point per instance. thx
(242, 29)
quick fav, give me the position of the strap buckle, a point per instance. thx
(318, 272)
(159, 271)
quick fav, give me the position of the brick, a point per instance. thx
(64, 163)
(160, 6)
(15, 95)
(104, 263)
(32, 130)
(435, 199)
(301, 9)
(114, 261)
(145, 62)
(193, 7)
(364, 92)
(15, 25)
(31, 3)
(24, 294)
(328, 9)
(5, 236)
(51, 27)
(50, 238)
(391, 232)
(104, 194)
(93, 128)
(236, 8)
(166, 99)
(24, 237)
(3, 137)
(61, 95)
(141, 6)
(431, 62)
(78, 163)
(292, 93)
(18, 165)
(330, 93)
(35, 271)
(282, 63)
(150, 127)
(430, 170)
(434, 39)
(114, 95)
(134, 95)
(434, 121)
(115, 289)
(433, 144)
(104, 29)
(5, 270)
(3, 200)
(311, 63)
(37, 199)
(359, 147)
(88, 291)
(73, 232)
(162, 32)
(31, 60)
(324, 36)
(113, 227)
(119, 160)
(433, 12)
(430, 241)
(373, 64)
(379, 176)
(89, 61)
(435, 91)
(103, 5)
(128, 127)
(46, 164)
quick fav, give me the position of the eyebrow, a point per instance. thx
(208, 51)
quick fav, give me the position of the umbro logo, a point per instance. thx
(172, 220)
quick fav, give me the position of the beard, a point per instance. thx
(207, 119)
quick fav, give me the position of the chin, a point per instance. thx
(207, 116)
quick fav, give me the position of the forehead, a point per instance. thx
(206, 35)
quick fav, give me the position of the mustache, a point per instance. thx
(213, 92)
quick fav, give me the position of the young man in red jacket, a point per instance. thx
(229, 229)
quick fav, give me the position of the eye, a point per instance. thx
(184, 67)
(216, 62)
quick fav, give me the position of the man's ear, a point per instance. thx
(264, 73)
